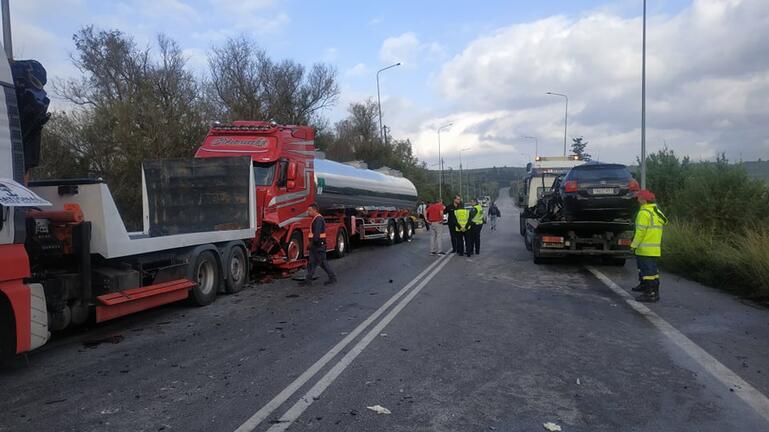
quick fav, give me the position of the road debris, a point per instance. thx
(552, 427)
(578, 383)
(379, 409)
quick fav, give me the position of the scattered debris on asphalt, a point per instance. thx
(379, 409)
(292, 296)
(578, 383)
(552, 427)
(93, 343)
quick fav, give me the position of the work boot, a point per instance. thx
(330, 281)
(641, 287)
(652, 295)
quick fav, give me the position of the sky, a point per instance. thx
(484, 66)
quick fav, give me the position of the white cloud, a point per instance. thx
(359, 69)
(707, 81)
(408, 49)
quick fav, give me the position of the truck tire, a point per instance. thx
(7, 330)
(391, 233)
(341, 244)
(295, 247)
(522, 223)
(205, 272)
(526, 241)
(535, 248)
(236, 270)
(400, 232)
(410, 229)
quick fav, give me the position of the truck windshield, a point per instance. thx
(264, 173)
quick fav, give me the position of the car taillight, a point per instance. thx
(570, 186)
(625, 242)
(633, 186)
(552, 239)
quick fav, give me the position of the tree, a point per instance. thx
(246, 84)
(578, 148)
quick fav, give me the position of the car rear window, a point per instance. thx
(600, 172)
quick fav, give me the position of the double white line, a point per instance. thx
(293, 413)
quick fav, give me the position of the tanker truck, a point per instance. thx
(357, 203)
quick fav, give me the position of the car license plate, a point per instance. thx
(603, 191)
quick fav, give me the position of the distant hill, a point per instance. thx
(757, 169)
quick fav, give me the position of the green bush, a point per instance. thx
(737, 263)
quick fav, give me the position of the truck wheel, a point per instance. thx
(526, 242)
(295, 247)
(236, 270)
(409, 229)
(341, 244)
(390, 236)
(522, 223)
(7, 330)
(535, 248)
(205, 273)
(400, 234)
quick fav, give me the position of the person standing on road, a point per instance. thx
(647, 243)
(421, 208)
(318, 249)
(494, 213)
(476, 227)
(434, 218)
(456, 203)
(464, 242)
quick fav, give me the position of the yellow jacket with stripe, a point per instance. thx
(649, 225)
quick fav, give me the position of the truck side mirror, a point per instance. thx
(291, 172)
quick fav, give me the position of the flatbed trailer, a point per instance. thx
(550, 239)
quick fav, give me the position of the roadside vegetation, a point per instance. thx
(719, 230)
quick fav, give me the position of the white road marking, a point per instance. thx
(757, 400)
(258, 417)
(287, 419)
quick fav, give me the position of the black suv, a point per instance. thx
(597, 191)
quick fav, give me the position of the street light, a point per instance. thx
(378, 100)
(536, 143)
(460, 168)
(565, 118)
(440, 160)
(643, 104)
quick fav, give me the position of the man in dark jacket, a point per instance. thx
(452, 220)
(318, 249)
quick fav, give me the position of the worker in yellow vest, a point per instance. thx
(647, 244)
(462, 216)
(477, 225)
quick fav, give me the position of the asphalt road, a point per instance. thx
(491, 342)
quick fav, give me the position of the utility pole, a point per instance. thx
(565, 118)
(460, 169)
(440, 159)
(7, 42)
(643, 104)
(379, 100)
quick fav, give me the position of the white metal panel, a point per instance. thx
(6, 154)
(39, 333)
(109, 237)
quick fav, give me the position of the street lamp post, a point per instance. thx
(378, 98)
(643, 104)
(536, 144)
(565, 118)
(440, 161)
(460, 169)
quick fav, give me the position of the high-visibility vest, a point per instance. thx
(463, 216)
(478, 218)
(649, 225)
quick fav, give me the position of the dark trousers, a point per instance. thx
(454, 235)
(318, 259)
(475, 236)
(647, 268)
